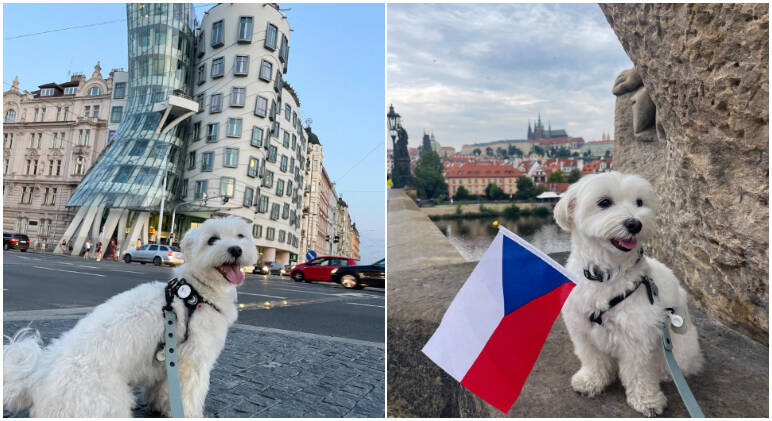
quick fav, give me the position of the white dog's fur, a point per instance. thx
(628, 344)
(91, 369)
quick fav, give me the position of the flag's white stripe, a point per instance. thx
(472, 317)
(558, 267)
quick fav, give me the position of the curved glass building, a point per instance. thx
(142, 165)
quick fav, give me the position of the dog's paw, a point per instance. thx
(650, 405)
(589, 383)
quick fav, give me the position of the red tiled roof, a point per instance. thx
(482, 171)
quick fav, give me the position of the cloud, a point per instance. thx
(476, 73)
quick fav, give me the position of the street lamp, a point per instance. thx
(393, 119)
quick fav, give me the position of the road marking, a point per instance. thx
(71, 271)
(308, 292)
(261, 295)
(367, 305)
(127, 271)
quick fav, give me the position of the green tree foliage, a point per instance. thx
(538, 150)
(525, 189)
(607, 154)
(501, 152)
(428, 176)
(477, 152)
(515, 151)
(489, 151)
(574, 176)
(541, 211)
(561, 152)
(461, 194)
(494, 192)
(556, 177)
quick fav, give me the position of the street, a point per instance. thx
(52, 282)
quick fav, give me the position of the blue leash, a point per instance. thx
(678, 377)
(172, 369)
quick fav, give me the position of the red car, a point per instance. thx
(319, 269)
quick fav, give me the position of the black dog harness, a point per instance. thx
(181, 289)
(594, 273)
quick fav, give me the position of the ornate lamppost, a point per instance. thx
(400, 174)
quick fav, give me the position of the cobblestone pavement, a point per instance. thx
(270, 373)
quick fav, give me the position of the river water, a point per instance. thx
(471, 237)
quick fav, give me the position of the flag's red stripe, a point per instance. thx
(499, 372)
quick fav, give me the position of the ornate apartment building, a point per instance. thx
(51, 138)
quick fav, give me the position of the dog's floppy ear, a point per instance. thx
(564, 209)
(187, 242)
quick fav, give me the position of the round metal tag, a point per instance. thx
(183, 291)
(160, 355)
(676, 320)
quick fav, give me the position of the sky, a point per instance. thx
(478, 73)
(336, 65)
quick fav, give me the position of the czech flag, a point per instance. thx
(494, 329)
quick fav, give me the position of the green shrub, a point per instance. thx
(525, 212)
(512, 212)
(541, 211)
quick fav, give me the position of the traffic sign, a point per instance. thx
(310, 255)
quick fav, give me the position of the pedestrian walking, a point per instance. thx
(117, 251)
(99, 251)
(63, 247)
(139, 243)
(88, 249)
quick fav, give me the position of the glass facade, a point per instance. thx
(131, 172)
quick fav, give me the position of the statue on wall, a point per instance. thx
(401, 171)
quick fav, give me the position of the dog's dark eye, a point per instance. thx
(639, 202)
(605, 203)
(213, 240)
(241, 235)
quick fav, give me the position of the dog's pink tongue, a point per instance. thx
(234, 274)
(629, 244)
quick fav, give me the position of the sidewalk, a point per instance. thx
(266, 372)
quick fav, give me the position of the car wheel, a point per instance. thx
(298, 276)
(23, 250)
(349, 281)
(142, 262)
(157, 261)
(127, 258)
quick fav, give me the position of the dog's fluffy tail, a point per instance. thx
(20, 359)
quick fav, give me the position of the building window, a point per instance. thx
(95, 114)
(268, 179)
(119, 91)
(202, 74)
(275, 131)
(285, 211)
(248, 195)
(211, 132)
(201, 47)
(257, 231)
(283, 165)
(196, 131)
(261, 106)
(231, 158)
(116, 114)
(241, 66)
(218, 66)
(287, 112)
(289, 187)
(184, 193)
(234, 127)
(217, 34)
(227, 186)
(145, 177)
(252, 167)
(215, 103)
(245, 29)
(282, 236)
(280, 187)
(275, 209)
(286, 140)
(192, 160)
(271, 154)
(257, 137)
(201, 186)
(277, 85)
(58, 166)
(139, 148)
(123, 174)
(10, 116)
(271, 33)
(86, 112)
(70, 90)
(284, 50)
(95, 91)
(200, 99)
(263, 204)
(206, 161)
(238, 96)
(266, 70)
(270, 233)
(47, 92)
(58, 113)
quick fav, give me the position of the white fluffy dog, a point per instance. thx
(90, 370)
(609, 215)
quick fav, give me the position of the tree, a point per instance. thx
(477, 152)
(587, 153)
(428, 176)
(494, 192)
(514, 151)
(538, 150)
(489, 151)
(574, 176)
(525, 188)
(561, 152)
(461, 194)
(501, 152)
(556, 177)
(575, 154)
(608, 154)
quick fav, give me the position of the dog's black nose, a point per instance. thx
(633, 225)
(235, 251)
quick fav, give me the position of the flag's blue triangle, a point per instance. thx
(525, 276)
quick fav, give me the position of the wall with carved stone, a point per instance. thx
(693, 118)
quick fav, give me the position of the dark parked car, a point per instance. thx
(361, 276)
(269, 268)
(15, 241)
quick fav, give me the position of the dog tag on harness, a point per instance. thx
(183, 291)
(676, 320)
(160, 356)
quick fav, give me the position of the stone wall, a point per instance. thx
(693, 118)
